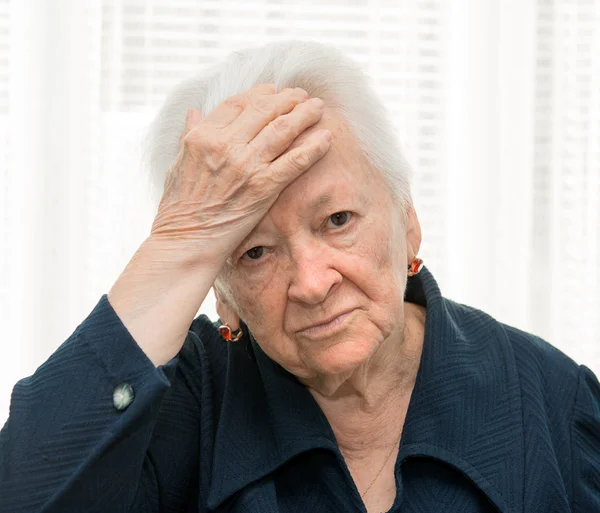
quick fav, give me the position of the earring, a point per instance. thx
(415, 267)
(227, 334)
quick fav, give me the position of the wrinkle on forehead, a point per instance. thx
(345, 151)
(332, 120)
(343, 165)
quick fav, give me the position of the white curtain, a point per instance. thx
(497, 105)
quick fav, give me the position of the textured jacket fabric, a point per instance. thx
(499, 420)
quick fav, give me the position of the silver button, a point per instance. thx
(123, 396)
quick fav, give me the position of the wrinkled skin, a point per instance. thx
(301, 230)
(302, 265)
(231, 167)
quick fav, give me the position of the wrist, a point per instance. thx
(176, 253)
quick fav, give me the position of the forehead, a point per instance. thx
(344, 147)
(344, 170)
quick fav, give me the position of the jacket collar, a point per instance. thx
(267, 418)
(465, 408)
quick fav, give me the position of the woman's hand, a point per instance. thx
(231, 169)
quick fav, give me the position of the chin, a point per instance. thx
(344, 357)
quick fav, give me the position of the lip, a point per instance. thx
(326, 326)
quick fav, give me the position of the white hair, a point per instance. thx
(322, 70)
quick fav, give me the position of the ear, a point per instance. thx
(225, 312)
(413, 234)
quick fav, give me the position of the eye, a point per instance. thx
(254, 253)
(340, 218)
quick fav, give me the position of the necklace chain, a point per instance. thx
(382, 467)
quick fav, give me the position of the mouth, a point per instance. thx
(326, 327)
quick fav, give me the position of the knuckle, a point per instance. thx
(261, 184)
(218, 147)
(264, 106)
(206, 149)
(236, 102)
(237, 171)
(281, 125)
(300, 159)
(192, 142)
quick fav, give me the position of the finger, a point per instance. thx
(292, 164)
(262, 110)
(193, 117)
(280, 133)
(229, 110)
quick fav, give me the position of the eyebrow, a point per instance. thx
(321, 201)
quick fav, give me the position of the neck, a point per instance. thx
(366, 408)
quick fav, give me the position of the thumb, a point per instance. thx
(193, 117)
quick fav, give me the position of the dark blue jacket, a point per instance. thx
(499, 420)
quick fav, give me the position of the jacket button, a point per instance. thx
(123, 396)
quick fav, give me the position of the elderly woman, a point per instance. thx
(346, 381)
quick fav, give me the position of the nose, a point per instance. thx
(313, 276)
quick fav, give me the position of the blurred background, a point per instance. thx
(496, 102)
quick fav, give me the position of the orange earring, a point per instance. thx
(228, 335)
(415, 267)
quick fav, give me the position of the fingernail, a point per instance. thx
(198, 116)
(194, 117)
(317, 102)
(327, 135)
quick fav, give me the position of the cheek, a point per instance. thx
(379, 254)
(376, 268)
(260, 297)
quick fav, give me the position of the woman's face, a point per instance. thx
(320, 281)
